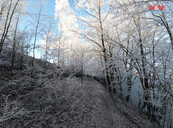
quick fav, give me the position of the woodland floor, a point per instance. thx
(34, 98)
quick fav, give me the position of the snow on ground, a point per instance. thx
(40, 99)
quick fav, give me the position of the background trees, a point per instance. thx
(134, 46)
(8, 9)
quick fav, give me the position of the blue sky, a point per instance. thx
(33, 7)
(48, 10)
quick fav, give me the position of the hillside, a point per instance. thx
(39, 98)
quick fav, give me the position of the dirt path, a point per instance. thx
(114, 113)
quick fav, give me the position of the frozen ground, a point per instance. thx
(114, 112)
(35, 98)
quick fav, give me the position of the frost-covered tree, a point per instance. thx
(8, 10)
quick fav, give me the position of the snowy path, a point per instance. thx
(113, 111)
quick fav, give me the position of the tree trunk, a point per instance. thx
(35, 38)
(107, 79)
(14, 43)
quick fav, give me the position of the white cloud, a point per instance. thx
(68, 22)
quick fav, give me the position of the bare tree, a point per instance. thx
(15, 41)
(9, 17)
(36, 34)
